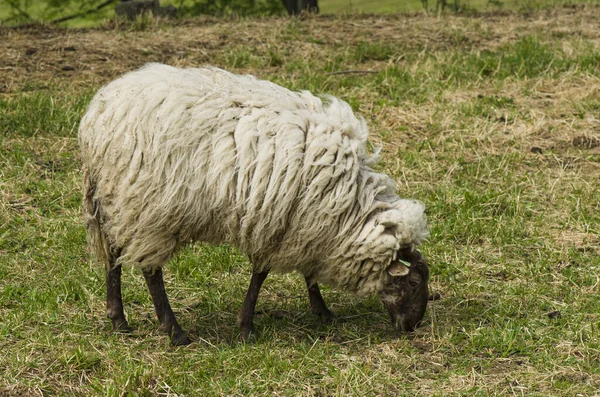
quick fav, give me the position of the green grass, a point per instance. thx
(497, 135)
(42, 11)
(387, 6)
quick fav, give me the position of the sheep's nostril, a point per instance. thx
(404, 324)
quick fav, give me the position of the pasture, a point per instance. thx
(491, 120)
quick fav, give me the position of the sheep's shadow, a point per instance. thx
(288, 322)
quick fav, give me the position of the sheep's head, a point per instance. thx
(406, 293)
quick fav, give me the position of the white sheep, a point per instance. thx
(172, 156)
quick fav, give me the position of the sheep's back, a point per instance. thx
(201, 154)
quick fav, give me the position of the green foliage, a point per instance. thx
(20, 11)
(23, 11)
(233, 7)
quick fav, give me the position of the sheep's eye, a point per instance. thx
(414, 283)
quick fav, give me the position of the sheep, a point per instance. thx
(172, 156)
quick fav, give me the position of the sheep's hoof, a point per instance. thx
(178, 335)
(247, 335)
(122, 327)
(325, 315)
(180, 339)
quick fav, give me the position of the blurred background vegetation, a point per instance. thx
(89, 13)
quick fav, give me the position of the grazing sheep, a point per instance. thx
(171, 156)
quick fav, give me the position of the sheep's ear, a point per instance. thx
(399, 268)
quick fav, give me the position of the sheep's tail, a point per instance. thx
(96, 239)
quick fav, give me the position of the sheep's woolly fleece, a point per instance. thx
(174, 155)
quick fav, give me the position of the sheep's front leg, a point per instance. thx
(317, 304)
(166, 317)
(114, 299)
(247, 313)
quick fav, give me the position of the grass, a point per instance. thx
(491, 122)
(386, 6)
(43, 11)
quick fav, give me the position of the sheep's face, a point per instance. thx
(406, 292)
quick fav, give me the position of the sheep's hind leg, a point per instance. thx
(317, 304)
(166, 317)
(247, 313)
(114, 299)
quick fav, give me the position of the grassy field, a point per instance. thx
(40, 11)
(390, 6)
(491, 121)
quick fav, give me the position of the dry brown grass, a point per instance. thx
(49, 55)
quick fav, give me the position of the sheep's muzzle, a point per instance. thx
(405, 296)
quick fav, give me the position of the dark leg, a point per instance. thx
(166, 317)
(114, 300)
(317, 304)
(247, 312)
